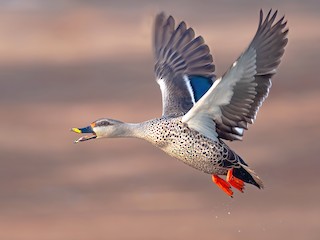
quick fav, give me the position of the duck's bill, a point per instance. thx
(84, 130)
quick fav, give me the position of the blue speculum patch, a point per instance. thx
(200, 85)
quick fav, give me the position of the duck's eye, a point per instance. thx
(103, 123)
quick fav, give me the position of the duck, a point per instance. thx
(199, 111)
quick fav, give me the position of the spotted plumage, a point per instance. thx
(191, 147)
(200, 110)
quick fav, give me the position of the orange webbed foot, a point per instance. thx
(235, 182)
(225, 186)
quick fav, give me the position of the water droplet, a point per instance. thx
(229, 213)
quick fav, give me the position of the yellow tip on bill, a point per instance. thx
(76, 130)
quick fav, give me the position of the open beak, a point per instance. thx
(84, 130)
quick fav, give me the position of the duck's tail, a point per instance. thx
(247, 175)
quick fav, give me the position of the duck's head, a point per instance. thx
(101, 128)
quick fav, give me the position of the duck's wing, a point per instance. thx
(233, 100)
(183, 65)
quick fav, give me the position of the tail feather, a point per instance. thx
(247, 175)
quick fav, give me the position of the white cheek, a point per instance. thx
(100, 132)
(107, 131)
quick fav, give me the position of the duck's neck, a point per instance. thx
(127, 130)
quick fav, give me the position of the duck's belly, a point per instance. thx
(204, 156)
(189, 146)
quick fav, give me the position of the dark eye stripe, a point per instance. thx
(102, 123)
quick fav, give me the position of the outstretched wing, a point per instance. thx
(184, 67)
(233, 100)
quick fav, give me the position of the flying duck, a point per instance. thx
(199, 111)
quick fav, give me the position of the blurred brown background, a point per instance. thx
(66, 63)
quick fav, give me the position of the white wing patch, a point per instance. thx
(163, 89)
(162, 84)
(190, 90)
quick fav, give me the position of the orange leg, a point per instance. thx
(235, 182)
(225, 186)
